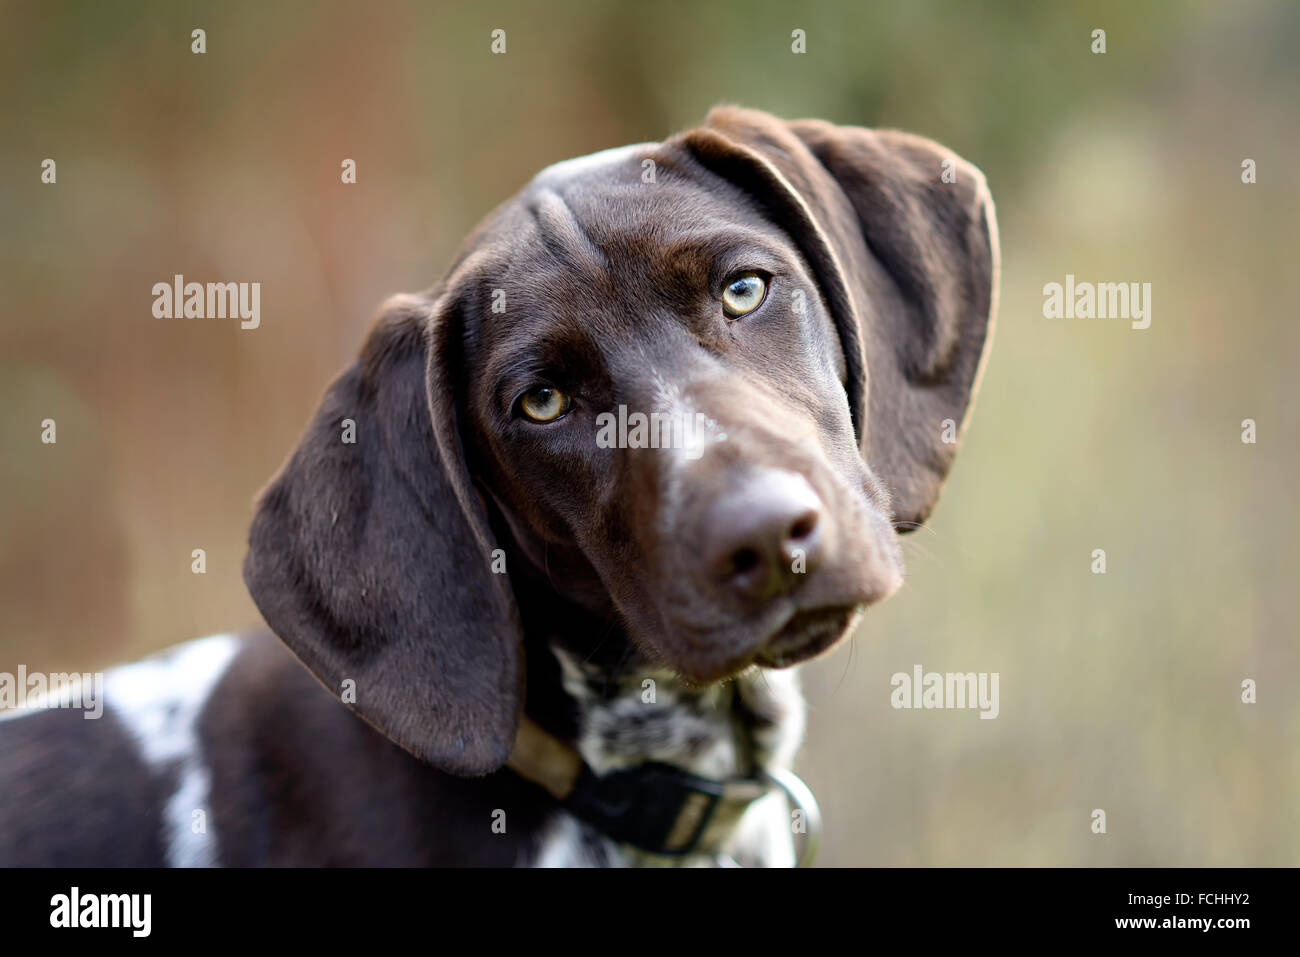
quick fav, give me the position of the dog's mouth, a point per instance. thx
(807, 635)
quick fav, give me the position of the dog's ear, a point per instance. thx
(902, 239)
(371, 558)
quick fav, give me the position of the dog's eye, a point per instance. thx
(743, 294)
(544, 404)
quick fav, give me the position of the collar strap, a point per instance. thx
(653, 806)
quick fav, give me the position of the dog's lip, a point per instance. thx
(807, 634)
(792, 635)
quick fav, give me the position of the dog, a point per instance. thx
(568, 643)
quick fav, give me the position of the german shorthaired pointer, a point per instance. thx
(558, 533)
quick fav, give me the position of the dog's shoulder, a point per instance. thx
(117, 748)
(226, 751)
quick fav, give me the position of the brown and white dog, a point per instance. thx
(566, 638)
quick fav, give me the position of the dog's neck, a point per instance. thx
(644, 713)
(592, 688)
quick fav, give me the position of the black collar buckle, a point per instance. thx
(663, 809)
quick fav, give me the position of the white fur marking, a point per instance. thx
(701, 730)
(160, 700)
(561, 845)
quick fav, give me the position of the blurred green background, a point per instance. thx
(1118, 691)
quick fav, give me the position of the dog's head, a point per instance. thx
(694, 386)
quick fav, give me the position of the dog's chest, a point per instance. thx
(720, 732)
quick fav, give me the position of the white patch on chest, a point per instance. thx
(723, 731)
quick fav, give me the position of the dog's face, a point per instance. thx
(742, 523)
(692, 385)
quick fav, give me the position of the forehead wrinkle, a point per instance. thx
(527, 350)
(563, 235)
(715, 241)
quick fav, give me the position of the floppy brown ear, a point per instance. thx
(902, 237)
(371, 559)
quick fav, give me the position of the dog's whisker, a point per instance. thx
(914, 525)
(921, 549)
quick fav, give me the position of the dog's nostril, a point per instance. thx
(763, 536)
(744, 561)
(804, 526)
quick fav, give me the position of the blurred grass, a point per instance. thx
(1118, 691)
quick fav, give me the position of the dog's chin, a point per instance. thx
(807, 635)
(804, 635)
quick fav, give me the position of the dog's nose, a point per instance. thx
(764, 534)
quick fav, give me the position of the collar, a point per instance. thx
(657, 807)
